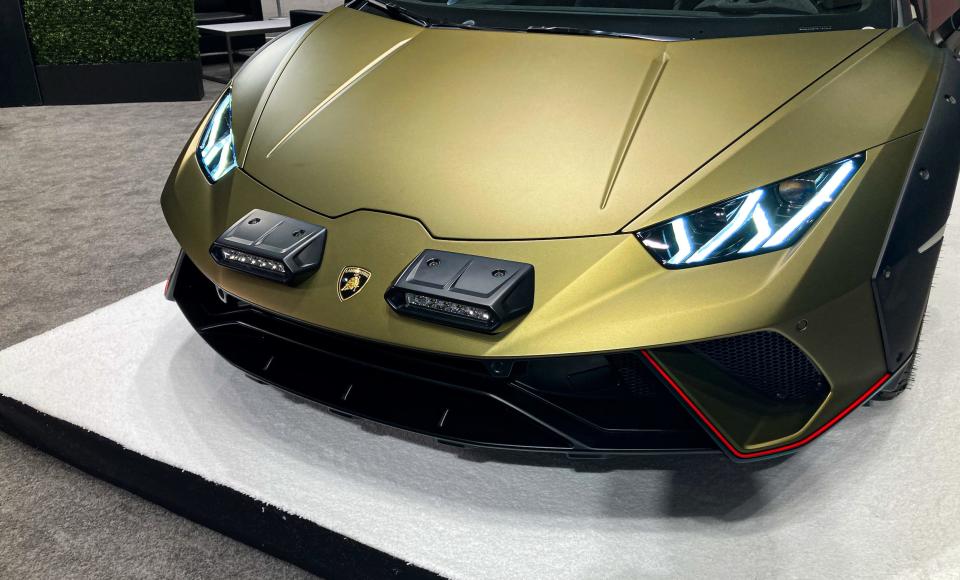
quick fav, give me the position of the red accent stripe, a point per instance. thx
(713, 428)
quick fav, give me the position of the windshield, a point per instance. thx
(661, 19)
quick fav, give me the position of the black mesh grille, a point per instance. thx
(768, 363)
(634, 376)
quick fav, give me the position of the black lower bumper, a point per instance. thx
(589, 404)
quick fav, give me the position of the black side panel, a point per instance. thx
(18, 82)
(905, 271)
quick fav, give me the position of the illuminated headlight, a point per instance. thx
(217, 153)
(764, 220)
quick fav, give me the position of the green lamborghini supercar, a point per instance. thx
(583, 226)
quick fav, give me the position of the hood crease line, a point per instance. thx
(644, 95)
(340, 91)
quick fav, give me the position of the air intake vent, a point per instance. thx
(768, 363)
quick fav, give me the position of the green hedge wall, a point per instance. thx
(102, 31)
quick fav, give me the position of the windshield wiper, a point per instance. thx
(395, 11)
(398, 12)
(739, 8)
(589, 32)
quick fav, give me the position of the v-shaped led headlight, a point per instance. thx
(764, 220)
(217, 153)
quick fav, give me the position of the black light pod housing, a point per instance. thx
(272, 246)
(470, 292)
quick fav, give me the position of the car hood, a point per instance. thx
(501, 135)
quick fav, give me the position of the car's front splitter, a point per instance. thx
(614, 404)
(582, 404)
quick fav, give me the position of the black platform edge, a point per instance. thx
(291, 538)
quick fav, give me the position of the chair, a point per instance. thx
(221, 12)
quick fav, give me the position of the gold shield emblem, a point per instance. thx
(352, 281)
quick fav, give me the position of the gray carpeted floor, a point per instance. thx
(81, 228)
(56, 522)
(79, 191)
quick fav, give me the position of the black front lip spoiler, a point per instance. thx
(406, 390)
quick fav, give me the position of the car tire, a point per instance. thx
(906, 377)
(894, 390)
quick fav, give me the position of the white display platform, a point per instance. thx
(877, 495)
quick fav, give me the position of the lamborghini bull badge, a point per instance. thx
(352, 281)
